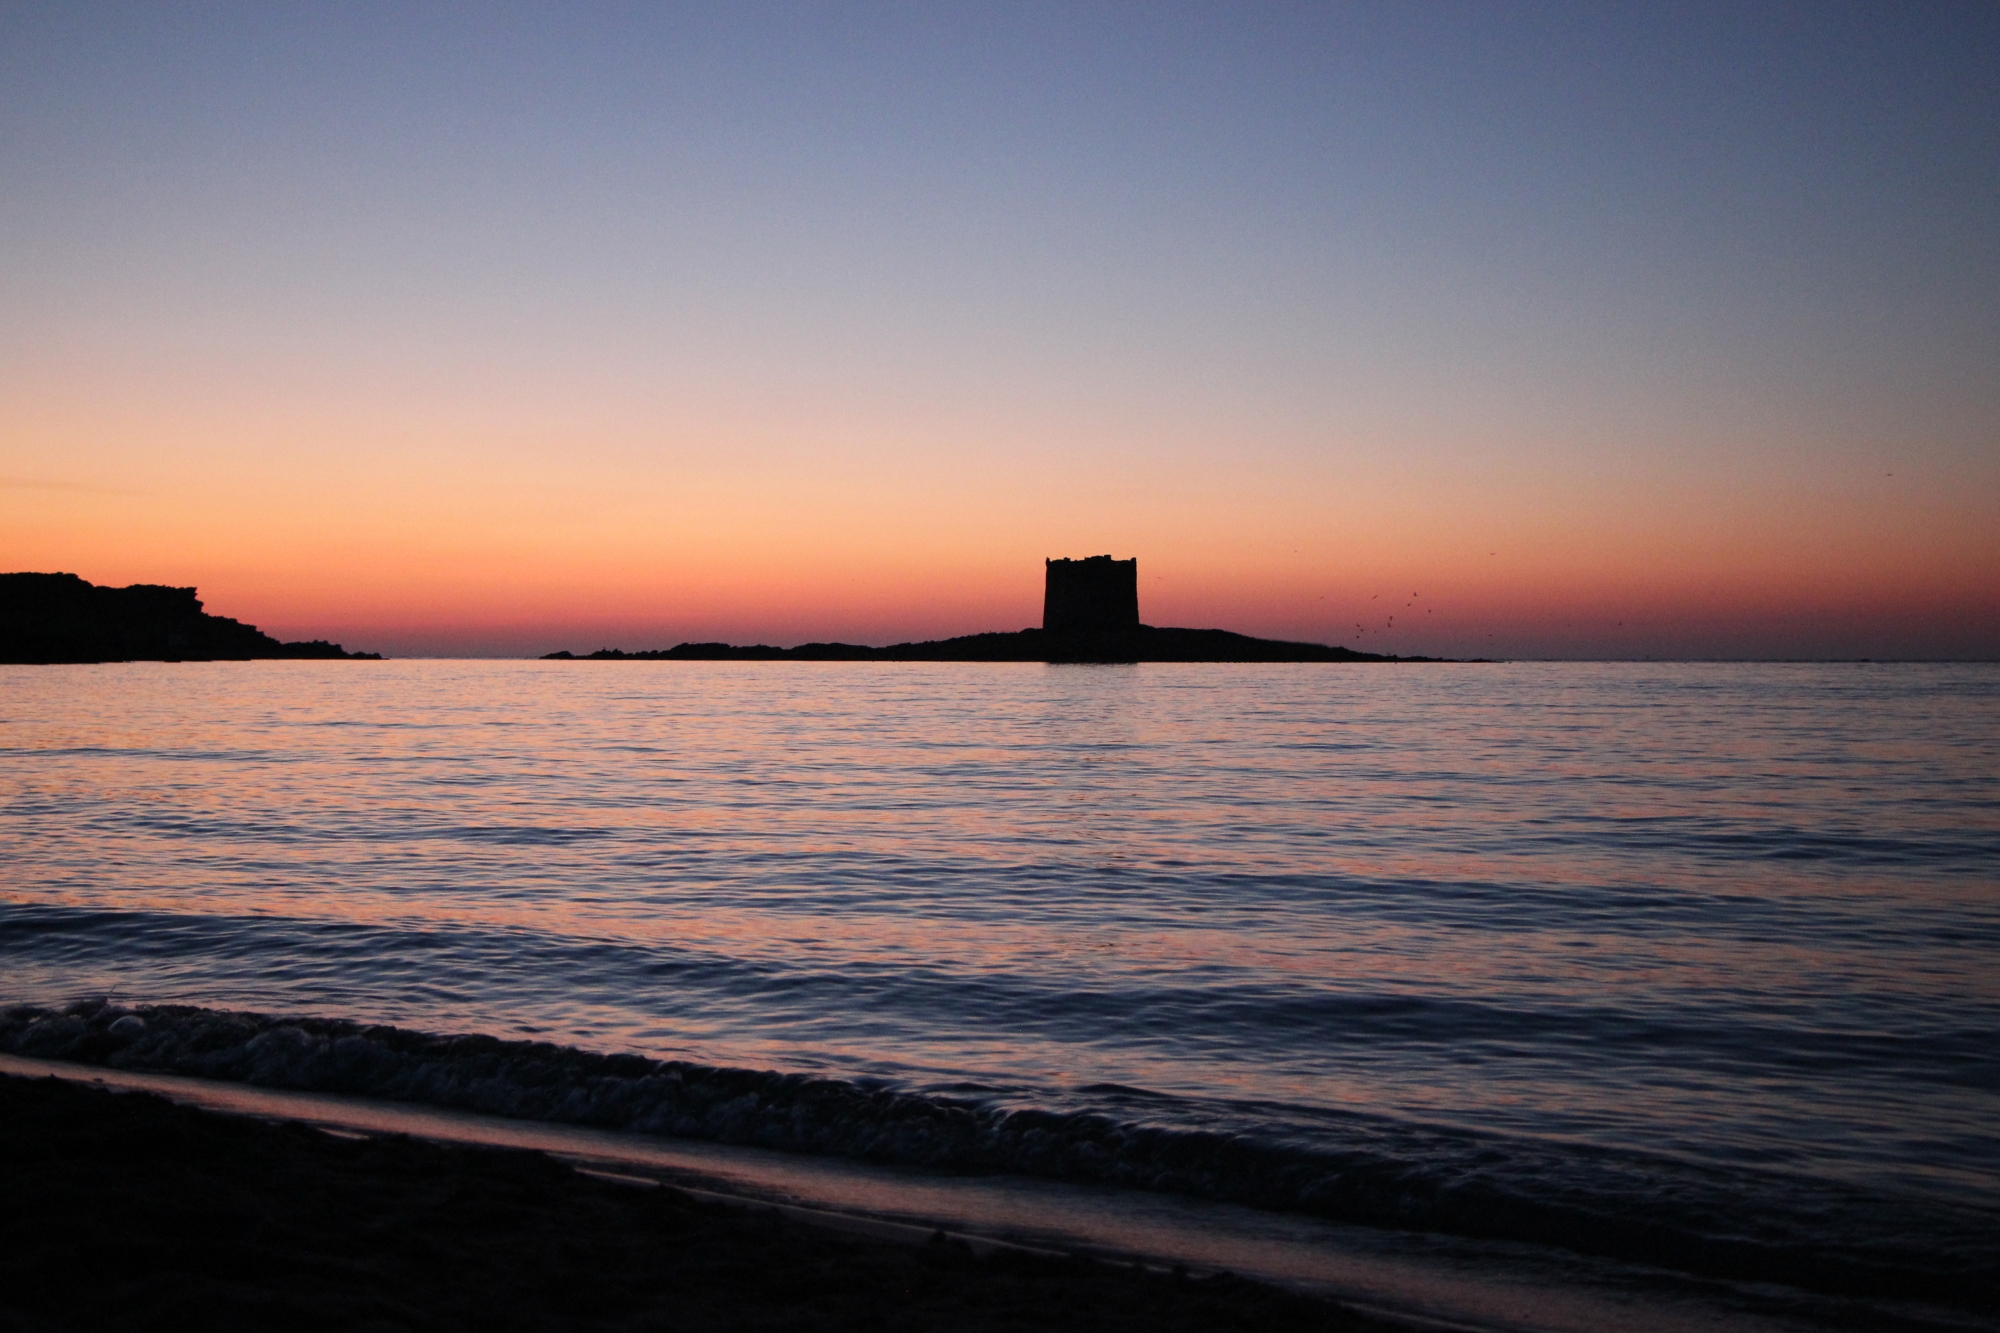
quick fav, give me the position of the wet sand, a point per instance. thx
(126, 1211)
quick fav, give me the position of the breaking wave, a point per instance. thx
(1739, 1225)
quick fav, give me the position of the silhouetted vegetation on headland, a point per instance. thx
(47, 618)
(1142, 643)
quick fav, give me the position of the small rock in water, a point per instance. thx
(129, 1026)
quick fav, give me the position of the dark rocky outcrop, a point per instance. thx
(47, 618)
(1090, 613)
(1143, 643)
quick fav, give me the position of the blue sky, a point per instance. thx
(652, 308)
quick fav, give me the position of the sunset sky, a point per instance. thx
(1552, 330)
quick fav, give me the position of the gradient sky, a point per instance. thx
(1552, 330)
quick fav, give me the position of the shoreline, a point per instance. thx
(1349, 1278)
(131, 1209)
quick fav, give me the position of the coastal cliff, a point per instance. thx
(48, 618)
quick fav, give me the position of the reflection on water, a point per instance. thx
(1730, 914)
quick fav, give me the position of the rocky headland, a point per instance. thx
(48, 618)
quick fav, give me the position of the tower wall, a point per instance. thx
(1091, 595)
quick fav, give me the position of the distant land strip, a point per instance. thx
(1142, 643)
(59, 618)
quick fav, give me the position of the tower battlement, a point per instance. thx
(1092, 595)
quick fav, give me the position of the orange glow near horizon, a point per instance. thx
(455, 544)
(491, 566)
(775, 369)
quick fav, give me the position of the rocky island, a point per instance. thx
(1090, 613)
(48, 618)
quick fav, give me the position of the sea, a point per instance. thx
(1669, 987)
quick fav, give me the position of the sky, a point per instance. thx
(1569, 331)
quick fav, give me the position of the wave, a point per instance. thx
(1746, 1225)
(386, 966)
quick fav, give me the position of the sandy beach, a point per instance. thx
(126, 1210)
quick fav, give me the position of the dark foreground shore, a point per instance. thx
(126, 1211)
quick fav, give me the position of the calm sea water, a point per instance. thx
(1695, 966)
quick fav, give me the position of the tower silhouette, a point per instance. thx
(1092, 595)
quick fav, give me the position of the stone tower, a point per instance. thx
(1093, 596)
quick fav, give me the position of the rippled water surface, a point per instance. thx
(1658, 929)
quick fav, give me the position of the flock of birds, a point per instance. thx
(1390, 623)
